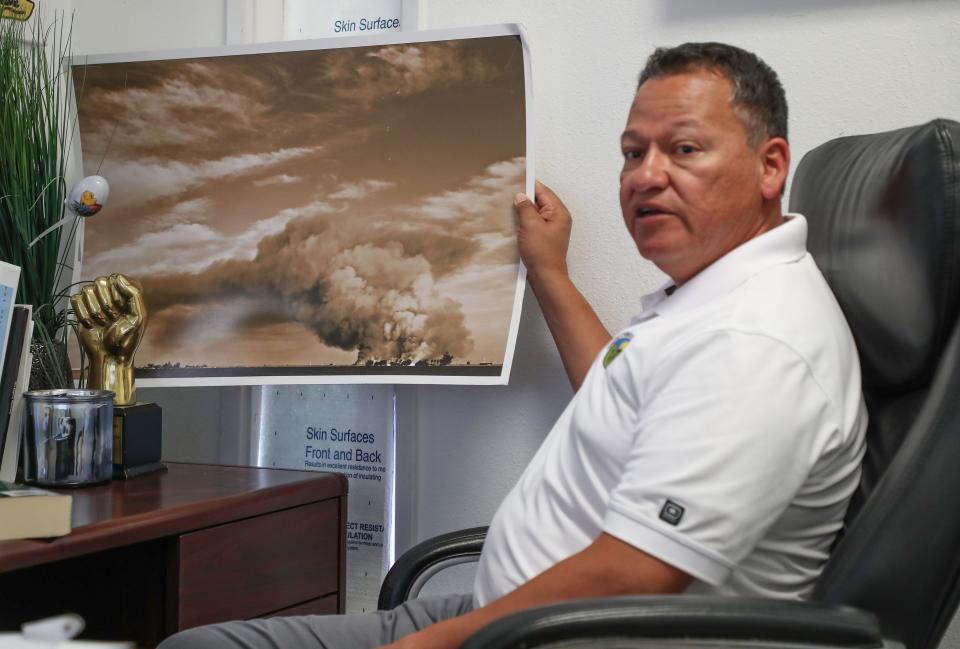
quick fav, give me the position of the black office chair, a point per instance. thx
(884, 218)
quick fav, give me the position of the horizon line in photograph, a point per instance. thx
(478, 370)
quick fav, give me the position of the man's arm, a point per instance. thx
(608, 566)
(544, 234)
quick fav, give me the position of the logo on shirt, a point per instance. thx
(671, 512)
(618, 345)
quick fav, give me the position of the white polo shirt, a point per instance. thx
(725, 438)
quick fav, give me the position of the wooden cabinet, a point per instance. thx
(267, 563)
(196, 545)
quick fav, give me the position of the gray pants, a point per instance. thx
(353, 631)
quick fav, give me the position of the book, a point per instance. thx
(27, 512)
(10, 447)
(9, 280)
(17, 341)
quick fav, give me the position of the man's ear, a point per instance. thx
(775, 161)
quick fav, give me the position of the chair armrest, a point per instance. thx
(754, 622)
(419, 563)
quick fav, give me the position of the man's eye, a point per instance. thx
(686, 149)
(633, 154)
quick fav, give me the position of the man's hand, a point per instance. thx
(544, 232)
(543, 236)
(112, 318)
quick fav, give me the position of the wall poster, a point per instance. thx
(349, 430)
(323, 211)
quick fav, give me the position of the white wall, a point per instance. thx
(848, 66)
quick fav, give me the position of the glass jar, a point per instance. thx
(68, 437)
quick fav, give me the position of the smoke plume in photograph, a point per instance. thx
(346, 207)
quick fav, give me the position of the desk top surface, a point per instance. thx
(186, 497)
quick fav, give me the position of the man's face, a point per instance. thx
(690, 189)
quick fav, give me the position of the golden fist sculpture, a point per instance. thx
(112, 317)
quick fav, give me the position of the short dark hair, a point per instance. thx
(758, 96)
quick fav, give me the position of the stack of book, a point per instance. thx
(28, 512)
(16, 329)
(25, 512)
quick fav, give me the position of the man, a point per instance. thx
(714, 444)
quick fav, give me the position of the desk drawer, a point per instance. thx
(251, 567)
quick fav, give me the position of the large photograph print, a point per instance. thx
(315, 211)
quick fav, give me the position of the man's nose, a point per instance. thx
(649, 173)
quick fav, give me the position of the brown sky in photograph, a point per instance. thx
(312, 207)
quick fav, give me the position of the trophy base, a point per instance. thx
(136, 440)
(124, 473)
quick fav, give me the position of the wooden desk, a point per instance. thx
(198, 544)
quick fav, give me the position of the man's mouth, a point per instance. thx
(646, 212)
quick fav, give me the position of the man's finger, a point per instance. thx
(547, 201)
(520, 199)
(542, 192)
(525, 208)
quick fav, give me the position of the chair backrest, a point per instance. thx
(884, 218)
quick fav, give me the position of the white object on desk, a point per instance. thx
(55, 633)
(53, 629)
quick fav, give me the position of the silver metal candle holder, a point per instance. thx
(68, 437)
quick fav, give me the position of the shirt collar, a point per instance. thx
(783, 244)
